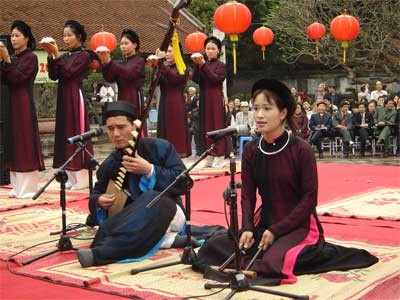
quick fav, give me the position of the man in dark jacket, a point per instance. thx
(135, 231)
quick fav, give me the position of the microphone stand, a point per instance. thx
(188, 255)
(238, 281)
(64, 243)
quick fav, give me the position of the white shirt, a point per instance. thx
(106, 94)
(376, 94)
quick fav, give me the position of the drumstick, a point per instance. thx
(254, 258)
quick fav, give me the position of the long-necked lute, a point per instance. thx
(116, 186)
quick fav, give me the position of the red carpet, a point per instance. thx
(336, 181)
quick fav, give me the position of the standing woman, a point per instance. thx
(71, 113)
(128, 73)
(210, 73)
(172, 119)
(23, 151)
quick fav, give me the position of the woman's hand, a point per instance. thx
(136, 164)
(198, 59)
(4, 55)
(246, 240)
(51, 48)
(104, 56)
(267, 239)
(106, 201)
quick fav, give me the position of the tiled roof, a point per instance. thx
(149, 18)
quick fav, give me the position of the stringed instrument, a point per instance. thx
(116, 186)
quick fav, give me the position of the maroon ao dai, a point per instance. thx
(71, 114)
(23, 151)
(172, 122)
(210, 77)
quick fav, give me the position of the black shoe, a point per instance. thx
(320, 154)
(362, 154)
(86, 258)
(385, 154)
(180, 242)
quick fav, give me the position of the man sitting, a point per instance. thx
(320, 125)
(342, 123)
(135, 231)
(385, 122)
(363, 122)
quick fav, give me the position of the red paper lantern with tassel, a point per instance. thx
(194, 42)
(232, 18)
(263, 37)
(345, 28)
(103, 38)
(315, 32)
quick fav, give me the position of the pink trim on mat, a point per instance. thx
(291, 256)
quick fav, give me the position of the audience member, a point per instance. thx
(379, 91)
(301, 120)
(364, 93)
(385, 123)
(246, 117)
(342, 124)
(320, 125)
(363, 121)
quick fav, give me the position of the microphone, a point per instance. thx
(85, 136)
(220, 133)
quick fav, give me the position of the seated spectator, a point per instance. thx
(363, 121)
(342, 124)
(296, 95)
(319, 95)
(379, 91)
(236, 109)
(332, 96)
(106, 93)
(364, 93)
(320, 125)
(301, 120)
(307, 108)
(380, 103)
(246, 117)
(385, 123)
(330, 108)
(372, 108)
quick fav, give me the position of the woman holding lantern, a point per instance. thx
(23, 152)
(129, 73)
(71, 114)
(210, 73)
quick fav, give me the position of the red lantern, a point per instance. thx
(194, 42)
(232, 18)
(316, 31)
(345, 28)
(263, 37)
(103, 38)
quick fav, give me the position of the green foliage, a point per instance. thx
(204, 11)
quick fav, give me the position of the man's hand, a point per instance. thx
(106, 201)
(267, 239)
(246, 240)
(136, 164)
